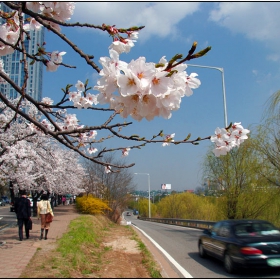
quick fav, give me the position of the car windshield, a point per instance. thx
(255, 229)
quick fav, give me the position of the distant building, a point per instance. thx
(15, 68)
(189, 191)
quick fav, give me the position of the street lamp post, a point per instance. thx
(223, 85)
(149, 190)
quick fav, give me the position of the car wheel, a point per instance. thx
(201, 250)
(228, 264)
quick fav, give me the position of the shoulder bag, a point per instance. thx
(29, 224)
(49, 216)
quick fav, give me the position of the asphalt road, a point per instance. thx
(181, 244)
(7, 218)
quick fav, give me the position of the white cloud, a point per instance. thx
(159, 18)
(256, 20)
(274, 57)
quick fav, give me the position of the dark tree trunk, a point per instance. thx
(12, 193)
(35, 195)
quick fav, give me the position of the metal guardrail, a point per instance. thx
(181, 222)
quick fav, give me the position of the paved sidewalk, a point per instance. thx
(15, 254)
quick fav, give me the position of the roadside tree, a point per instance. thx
(114, 188)
(189, 206)
(267, 140)
(35, 162)
(238, 177)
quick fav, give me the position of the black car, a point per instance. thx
(5, 199)
(242, 243)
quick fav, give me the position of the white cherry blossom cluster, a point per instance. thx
(124, 45)
(27, 158)
(26, 162)
(10, 34)
(9, 114)
(80, 99)
(70, 122)
(226, 139)
(61, 11)
(140, 89)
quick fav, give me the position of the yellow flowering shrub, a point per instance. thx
(88, 204)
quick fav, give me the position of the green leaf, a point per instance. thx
(174, 58)
(201, 53)
(171, 73)
(188, 137)
(193, 48)
(159, 65)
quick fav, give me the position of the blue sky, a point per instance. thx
(245, 42)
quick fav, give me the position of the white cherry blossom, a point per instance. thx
(51, 66)
(168, 139)
(92, 150)
(226, 139)
(125, 152)
(80, 86)
(123, 46)
(33, 25)
(107, 169)
(47, 100)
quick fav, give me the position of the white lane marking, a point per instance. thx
(178, 266)
(13, 215)
(1, 218)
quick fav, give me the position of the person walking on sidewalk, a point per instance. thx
(44, 207)
(23, 212)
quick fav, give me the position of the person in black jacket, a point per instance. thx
(23, 211)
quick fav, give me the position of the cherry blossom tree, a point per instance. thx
(133, 90)
(33, 161)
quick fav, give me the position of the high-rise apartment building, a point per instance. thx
(15, 68)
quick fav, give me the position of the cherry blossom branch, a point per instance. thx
(70, 43)
(34, 57)
(137, 89)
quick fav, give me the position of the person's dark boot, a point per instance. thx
(46, 234)
(27, 233)
(42, 232)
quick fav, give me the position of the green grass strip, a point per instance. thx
(148, 259)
